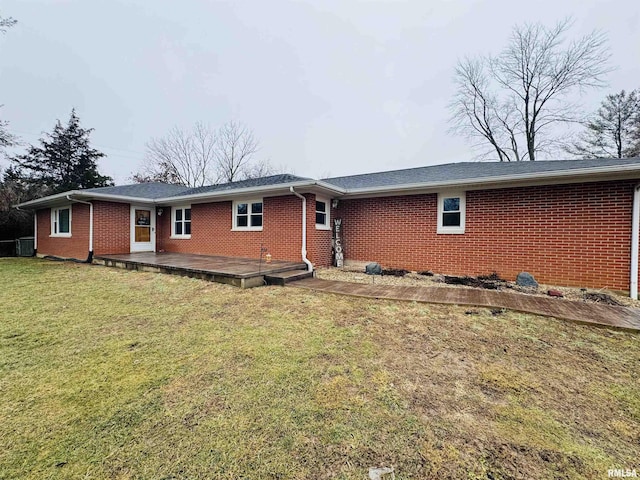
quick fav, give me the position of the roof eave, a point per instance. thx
(81, 194)
(33, 204)
(258, 190)
(117, 198)
(548, 178)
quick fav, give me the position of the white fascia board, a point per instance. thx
(330, 187)
(604, 173)
(116, 198)
(84, 195)
(202, 197)
(265, 190)
(46, 200)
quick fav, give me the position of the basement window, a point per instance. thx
(181, 222)
(61, 222)
(322, 215)
(451, 213)
(247, 215)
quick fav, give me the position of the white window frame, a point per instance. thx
(248, 228)
(456, 230)
(55, 221)
(327, 212)
(173, 222)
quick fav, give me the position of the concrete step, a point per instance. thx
(282, 278)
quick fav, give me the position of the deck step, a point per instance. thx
(282, 278)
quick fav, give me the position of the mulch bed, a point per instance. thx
(395, 272)
(490, 282)
(601, 298)
(494, 282)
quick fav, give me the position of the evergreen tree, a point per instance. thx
(63, 161)
(6, 138)
(614, 130)
(13, 223)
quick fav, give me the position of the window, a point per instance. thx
(322, 214)
(247, 215)
(181, 222)
(451, 213)
(61, 222)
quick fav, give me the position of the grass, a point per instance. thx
(106, 373)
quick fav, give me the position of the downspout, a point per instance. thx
(304, 229)
(35, 233)
(635, 234)
(90, 257)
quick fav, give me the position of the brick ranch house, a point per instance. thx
(568, 222)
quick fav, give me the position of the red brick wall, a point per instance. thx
(566, 234)
(575, 235)
(112, 227)
(76, 246)
(211, 232)
(110, 231)
(318, 241)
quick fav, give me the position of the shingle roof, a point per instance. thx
(142, 190)
(464, 173)
(253, 182)
(468, 171)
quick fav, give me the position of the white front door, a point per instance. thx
(143, 229)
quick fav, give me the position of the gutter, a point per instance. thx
(304, 229)
(549, 177)
(44, 201)
(635, 234)
(215, 195)
(90, 257)
(263, 190)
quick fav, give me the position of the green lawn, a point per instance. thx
(106, 373)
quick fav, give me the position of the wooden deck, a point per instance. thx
(241, 272)
(588, 313)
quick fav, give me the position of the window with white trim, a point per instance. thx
(61, 222)
(247, 215)
(181, 222)
(322, 214)
(451, 212)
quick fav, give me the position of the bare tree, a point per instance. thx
(6, 138)
(261, 168)
(509, 103)
(185, 158)
(204, 156)
(236, 148)
(612, 130)
(6, 23)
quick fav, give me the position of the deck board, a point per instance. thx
(210, 265)
(582, 312)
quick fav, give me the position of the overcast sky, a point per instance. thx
(329, 87)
